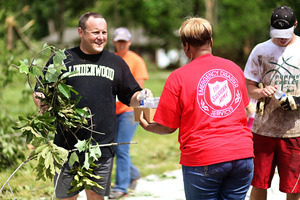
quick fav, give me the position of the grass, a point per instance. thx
(153, 154)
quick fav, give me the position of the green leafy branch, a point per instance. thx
(39, 129)
(59, 110)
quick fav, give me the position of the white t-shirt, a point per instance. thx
(277, 66)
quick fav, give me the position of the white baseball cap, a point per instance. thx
(121, 34)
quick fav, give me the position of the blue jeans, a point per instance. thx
(126, 171)
(228, 180)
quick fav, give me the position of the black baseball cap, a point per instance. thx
(282, 22)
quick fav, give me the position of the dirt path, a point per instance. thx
(170, 187)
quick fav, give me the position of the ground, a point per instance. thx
(169, 186)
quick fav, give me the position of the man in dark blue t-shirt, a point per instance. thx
(101, 77)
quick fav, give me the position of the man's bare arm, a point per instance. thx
(255, 92)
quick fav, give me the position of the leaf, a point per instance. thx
(62, 153)
(29, 128)
(45, 45)
(92, 154)
(37, 141)
(76, 177)
(21, 118)
(64, 89)
(74, 91)
(59, 58)
(23, 68)
(86, 164)
(45, 152)
(76, 187)
(29, 137)
(46, 50)
(48, 159)
(36, 71)
(81, 145)
(51, 74)
(73, 158)
(52, 170)
(83, 112)
(93, 175)
(88, 182)
(97, 151)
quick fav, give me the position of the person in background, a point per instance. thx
(207, 99)
(274, 66)
(126, 173)
(101, 77)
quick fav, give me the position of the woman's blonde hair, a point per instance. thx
(195, 31)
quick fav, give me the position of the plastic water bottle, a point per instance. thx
(279, 94)
(156, 101)
(142, 98)
(149, 103)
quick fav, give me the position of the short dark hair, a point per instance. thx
(86, 16)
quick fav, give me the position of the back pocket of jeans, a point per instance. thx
(207, 170)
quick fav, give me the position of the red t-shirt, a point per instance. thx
(206, 99)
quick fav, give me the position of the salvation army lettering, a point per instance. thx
(218, 93)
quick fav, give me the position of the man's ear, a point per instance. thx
(80, 31)
(296, 23)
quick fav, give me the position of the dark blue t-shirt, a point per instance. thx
(101, 78)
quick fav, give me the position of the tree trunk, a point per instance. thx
(196, 7)
(10, 23)
(9, 41)
(61, 22)
(211, 13)
(116, 13)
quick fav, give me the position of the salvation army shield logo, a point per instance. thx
(218, 93)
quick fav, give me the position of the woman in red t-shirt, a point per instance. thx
(206, 100)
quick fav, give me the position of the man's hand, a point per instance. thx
(263, 93)
(145, 93)
(290, 102)
(136, 97)
(37, 98)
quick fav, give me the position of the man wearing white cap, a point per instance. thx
(276, 131)
(126, 173)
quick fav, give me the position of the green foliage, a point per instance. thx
(241, 24)
(84, 177)
(159, 19)
(50, 160)
(11, 147)
(57, 109)
(84, 171)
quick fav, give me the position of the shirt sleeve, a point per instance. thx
(168, 112)
(128, 85)
(253, 69)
